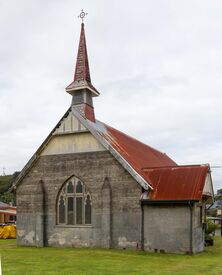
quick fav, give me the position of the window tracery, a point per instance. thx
(74, 205)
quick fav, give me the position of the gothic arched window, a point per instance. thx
(74, 206)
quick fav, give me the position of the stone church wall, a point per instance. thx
(116, 211)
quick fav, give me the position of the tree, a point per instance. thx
(218, 196)
(6, 182)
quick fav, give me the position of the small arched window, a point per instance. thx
(74, 206)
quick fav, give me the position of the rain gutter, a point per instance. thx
(147, 202)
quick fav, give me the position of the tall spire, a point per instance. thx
(81, 88)
(82, 64)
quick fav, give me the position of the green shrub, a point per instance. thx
(210, 232)
(211, 227)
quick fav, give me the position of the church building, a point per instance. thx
(91, 185)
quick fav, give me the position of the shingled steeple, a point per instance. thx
(81, 88)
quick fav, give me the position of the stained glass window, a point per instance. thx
(74, 204)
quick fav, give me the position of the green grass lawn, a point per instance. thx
(31, 261)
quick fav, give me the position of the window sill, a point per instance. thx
(73, 226)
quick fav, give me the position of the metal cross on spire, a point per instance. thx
(82, 15)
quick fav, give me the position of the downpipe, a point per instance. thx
(191, 227)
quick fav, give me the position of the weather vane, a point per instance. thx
(82, 15)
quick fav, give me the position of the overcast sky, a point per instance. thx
(157, 65)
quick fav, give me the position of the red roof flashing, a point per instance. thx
(89, 113)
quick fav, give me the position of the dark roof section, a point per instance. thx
(177, 183)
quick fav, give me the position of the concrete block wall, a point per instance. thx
(167, 228)
(198, 230)
(124, 227)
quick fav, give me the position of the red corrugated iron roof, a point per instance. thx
(177, 183)
(136, 152)
(169, 181)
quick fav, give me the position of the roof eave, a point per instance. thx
(71, 90)
(188, 201)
